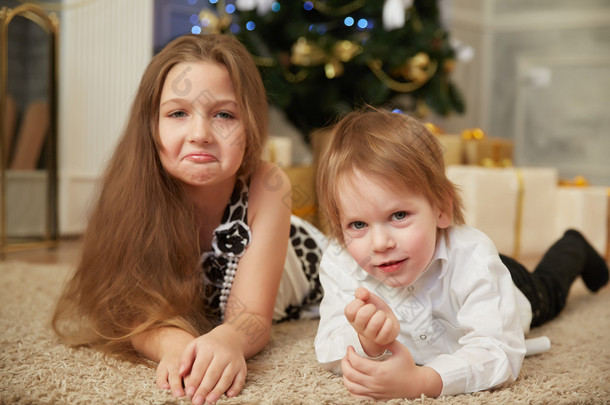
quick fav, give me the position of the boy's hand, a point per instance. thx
(373, 320)
(396, 377)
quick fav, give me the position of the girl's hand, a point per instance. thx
(213, 364)
(373, 320)
(165, 346)
(168, 375)
(396, 377)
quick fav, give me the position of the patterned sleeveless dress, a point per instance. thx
(300, 289)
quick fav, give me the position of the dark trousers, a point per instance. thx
(548, 285)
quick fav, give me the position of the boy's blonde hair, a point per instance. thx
(391, 146)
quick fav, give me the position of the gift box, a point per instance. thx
(479, 149)
(453, 149)
(452, 145)
(585, 209)
(515, 207)
(278, 149)
(303, 193)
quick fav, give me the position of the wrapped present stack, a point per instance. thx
(473, 147)
(522, 209)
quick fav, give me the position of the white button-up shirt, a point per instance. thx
(463, 317)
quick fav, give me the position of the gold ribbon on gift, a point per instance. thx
(519, 213)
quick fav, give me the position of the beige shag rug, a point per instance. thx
(35, 368)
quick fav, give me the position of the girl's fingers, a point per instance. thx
(222, 385)
(201, 368)
(169, 381)
(162, 378)
(238, 383)
(175, 383)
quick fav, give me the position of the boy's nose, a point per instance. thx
(382, 239)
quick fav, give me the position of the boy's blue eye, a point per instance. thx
(358, 224)
(399, 215)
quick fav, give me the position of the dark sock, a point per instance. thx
(595, 271)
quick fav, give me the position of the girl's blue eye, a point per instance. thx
(399, 215)
(178, 114)
(357, 224)
(224, 115)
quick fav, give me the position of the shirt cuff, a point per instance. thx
(453, 372)
(383, 356)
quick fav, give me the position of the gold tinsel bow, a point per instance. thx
(308, 53)
(473, 134)
(213, 23)
(578, 181)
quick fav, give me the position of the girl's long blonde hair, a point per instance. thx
(139, 267)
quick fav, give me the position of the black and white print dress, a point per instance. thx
(300, 290)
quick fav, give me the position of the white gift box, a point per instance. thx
(278, 149)
(515, 207)
(586, 210)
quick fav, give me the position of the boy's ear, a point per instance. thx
(445, 216)
(444, 220)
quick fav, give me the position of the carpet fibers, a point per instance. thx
(35, 368)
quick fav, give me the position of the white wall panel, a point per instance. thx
(105, 46)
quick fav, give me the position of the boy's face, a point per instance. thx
(391, 234)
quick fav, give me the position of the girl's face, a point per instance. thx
(390, 234)
(200, 127)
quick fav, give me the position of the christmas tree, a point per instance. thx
(322, 57)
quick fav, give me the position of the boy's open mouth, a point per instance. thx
(391, 267)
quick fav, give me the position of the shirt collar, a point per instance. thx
(440, 253)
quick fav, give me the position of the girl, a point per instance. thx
(414, 301)
(183, 257)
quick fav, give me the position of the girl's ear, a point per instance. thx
(445, 216)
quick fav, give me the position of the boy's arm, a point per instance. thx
(335, 334)
(492, 346)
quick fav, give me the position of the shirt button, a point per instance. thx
(423, 337)
(410, 288)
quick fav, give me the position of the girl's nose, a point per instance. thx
(381, 239)
(201, 132)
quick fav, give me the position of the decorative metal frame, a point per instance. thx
(50, 24)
